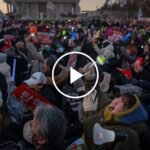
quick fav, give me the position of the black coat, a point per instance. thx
(3, 88)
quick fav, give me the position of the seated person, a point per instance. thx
(124, 113)
(37, 82)
(46, 131)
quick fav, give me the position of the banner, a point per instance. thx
(116, 36)
(72, 60)
(9, 37)
(30, 98)
(108, 32)
(138, 63)
(44, 38)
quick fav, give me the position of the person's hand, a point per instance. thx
(49, 80)
(138, 69)
(81, 70)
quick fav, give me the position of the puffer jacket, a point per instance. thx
(131, 122)
(16, 108)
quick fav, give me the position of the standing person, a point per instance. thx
(36, 58)
(3, 90)
(61, 75)
(19, 53)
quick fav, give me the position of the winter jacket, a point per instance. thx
(145, 73)
(3, 88)
(4, 67)
(131, 122)
(16, 108)
(36, 56)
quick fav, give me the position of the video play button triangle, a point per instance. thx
(74, 75)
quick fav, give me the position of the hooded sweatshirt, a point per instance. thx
(133, 115)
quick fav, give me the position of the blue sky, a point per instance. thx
(85, 4)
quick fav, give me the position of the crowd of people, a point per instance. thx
(34, 115)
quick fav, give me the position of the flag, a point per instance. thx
(50, 5)
(140, 13)
(14, 6)
(72, 60)
(138, 63)
(123, 2)
(127, 73)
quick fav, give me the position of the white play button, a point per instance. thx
(74, 75)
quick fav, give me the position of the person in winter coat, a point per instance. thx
(124, 113)
(18, 53)
(36, 58)
(61, 75)
(4, 77)
(37, 82)
(46, 131)
(107, 50)
(4, 67)
(3, 89)
(143, 71)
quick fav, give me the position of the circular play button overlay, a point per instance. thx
(74, 74)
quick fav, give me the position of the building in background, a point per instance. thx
(36, 9)
(129, 8)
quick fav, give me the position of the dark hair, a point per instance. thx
(50, 119)
(129, 99)
(50, 61)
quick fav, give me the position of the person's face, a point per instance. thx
(36, 139)
(117, 105)
(129, 52)
(146, 48)
(37, 87)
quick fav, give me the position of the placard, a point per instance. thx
(29, 97)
